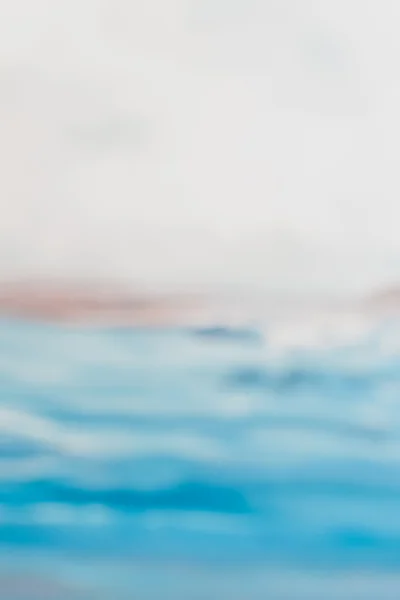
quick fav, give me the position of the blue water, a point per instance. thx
(144, 464)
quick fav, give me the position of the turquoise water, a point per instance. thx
(144, 464)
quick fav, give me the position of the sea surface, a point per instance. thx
(197, 464)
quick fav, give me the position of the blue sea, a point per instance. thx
(194, 464)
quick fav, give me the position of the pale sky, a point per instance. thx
(230, 141)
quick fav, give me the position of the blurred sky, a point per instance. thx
(201, 141)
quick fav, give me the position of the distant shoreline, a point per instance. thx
(91, 303)
(88, 304)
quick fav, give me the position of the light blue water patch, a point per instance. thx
(125, 454)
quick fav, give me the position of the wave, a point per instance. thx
(180, 443)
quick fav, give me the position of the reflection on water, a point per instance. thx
(197, 464)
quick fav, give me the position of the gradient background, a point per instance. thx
(240, 145)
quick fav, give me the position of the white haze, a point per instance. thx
(248, 142)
